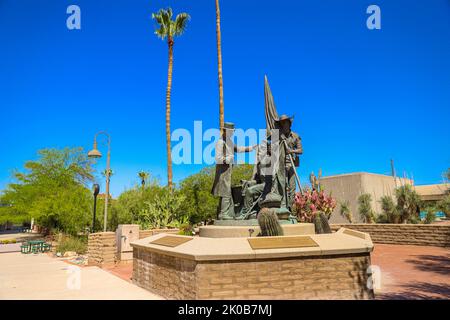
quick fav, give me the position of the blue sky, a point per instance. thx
(360, 97)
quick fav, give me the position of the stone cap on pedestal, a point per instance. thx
(344, 241)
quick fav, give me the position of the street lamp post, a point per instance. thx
(95, 153)
(96, 192)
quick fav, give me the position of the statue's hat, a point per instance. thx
(228, 126)
(285, 117)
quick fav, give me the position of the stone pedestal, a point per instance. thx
(125, 234)
(250, 228)
(335, 267)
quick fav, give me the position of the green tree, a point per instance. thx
(199, 203)
(365, 208)
(52, 189)
(169, 29)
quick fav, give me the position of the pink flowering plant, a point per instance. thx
(312, 202)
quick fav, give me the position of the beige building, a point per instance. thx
(348, 187)
(433, 192)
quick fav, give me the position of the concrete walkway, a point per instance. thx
(43, 277)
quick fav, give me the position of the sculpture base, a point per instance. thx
(240, 223)
(240, 230)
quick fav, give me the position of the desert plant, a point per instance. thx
(310, 202)
(365, 208)
(77, 244)
(444, 205)
(269, 224)
(389, 209)
(430, 216)
(345, 210)
(163, 211)
(321, 224)
(408, 203)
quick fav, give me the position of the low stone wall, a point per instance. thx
(323, 277)
(148, 233)
(412, 234)
(102, 248)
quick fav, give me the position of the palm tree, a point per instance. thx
(111, 173)
(143, 176)
(169, 29)
(219, 65)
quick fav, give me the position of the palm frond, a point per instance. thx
(180, 23)
(168, 27)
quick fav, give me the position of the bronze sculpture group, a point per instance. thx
(274, 180)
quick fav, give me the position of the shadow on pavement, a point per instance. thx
(419, 291)
(432, 263)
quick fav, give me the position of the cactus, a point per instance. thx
(325, 225)
(268, 223)
(321, 224)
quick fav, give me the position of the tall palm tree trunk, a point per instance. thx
(219, 65)
(168, 92)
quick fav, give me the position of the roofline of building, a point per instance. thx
(361, 173)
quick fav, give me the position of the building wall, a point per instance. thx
(348, 187)
(322, 277)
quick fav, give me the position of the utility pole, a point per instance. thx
(393, 173)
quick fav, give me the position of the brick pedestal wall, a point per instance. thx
(412, 234)
(102, 248)
(322, 277)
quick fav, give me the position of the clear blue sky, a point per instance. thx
(360, 97)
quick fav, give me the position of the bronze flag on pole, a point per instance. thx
(269, 108)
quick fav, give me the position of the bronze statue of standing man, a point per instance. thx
(292, 148)
(225, 149)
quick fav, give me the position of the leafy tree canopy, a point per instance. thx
(52, 190)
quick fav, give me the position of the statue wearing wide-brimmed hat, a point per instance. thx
(292, 148)
(225, 150)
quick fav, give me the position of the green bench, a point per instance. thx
(35, 246)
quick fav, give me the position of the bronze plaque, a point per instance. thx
(355, 233)
(281, 242)
(171, 241)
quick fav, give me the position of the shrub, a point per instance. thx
(365, 208)
(444, 205)
(390, 212)
(8, 241)
(345, 211)
(72, 243)
(429, 217)
(311, 202)
(408, 203)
